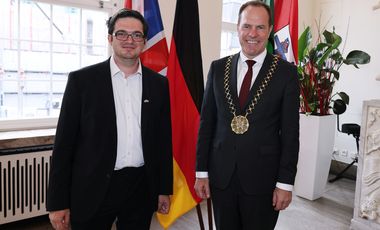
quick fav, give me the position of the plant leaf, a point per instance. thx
(321, 46)
(329, 37)
(337, 57)
(357, 57)
(344, 97)
(339, 106)
(318, 70)
(334, 40)
(334, 72)
(303, 43)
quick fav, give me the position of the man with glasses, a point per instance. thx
(112, 157)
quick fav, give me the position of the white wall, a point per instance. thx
(362, 24)
(305, 14)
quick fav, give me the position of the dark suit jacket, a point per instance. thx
(85, 145)
(268, 152)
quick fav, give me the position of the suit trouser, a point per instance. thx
(234, 209)
(127, 201)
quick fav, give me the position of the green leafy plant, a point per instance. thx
(318, 70)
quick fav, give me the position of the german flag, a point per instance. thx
(185, 76)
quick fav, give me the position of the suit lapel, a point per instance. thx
(233, 83)
(102, 79)
(106, 89)
(106, 80)
(145, 100)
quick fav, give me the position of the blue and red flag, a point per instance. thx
(155, 55)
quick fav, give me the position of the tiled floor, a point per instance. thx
(331, 212)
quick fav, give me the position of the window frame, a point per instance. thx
(109, 7)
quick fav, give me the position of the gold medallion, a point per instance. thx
(239, 124)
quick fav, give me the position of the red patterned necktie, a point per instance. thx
(246, 85)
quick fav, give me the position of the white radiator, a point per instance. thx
(23, 183)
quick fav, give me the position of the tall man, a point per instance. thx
(112, 157)
(248, 139)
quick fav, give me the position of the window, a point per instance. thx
(229, 40)
(229, 37)
(40, 43)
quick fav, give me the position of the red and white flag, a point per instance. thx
(286, 29)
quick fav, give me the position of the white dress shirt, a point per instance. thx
(242, 68)
(127, 93)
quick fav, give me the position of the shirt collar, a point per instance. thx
(259, 59)
(116, 70)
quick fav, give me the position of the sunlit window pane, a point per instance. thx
(59, 84)
(37, 53)
(8, 56)
(65, 58)
(66, 27)
(9, 94)
(93, 23)
(94, 56)
(231, 10)
(229, 37)
(34, 56)
(8, 13)
(35, 95)
(229, 43)
(35, 21)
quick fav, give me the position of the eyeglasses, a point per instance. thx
(123, 35)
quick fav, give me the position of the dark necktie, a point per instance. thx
(246, 85)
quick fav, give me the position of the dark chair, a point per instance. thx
(339, 107)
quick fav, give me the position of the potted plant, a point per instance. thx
(318, 71)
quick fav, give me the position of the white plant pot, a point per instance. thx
(317, 134)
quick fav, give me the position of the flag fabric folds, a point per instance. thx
(185, 76)
(155, 55)
(270, 45)
(286, 29)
